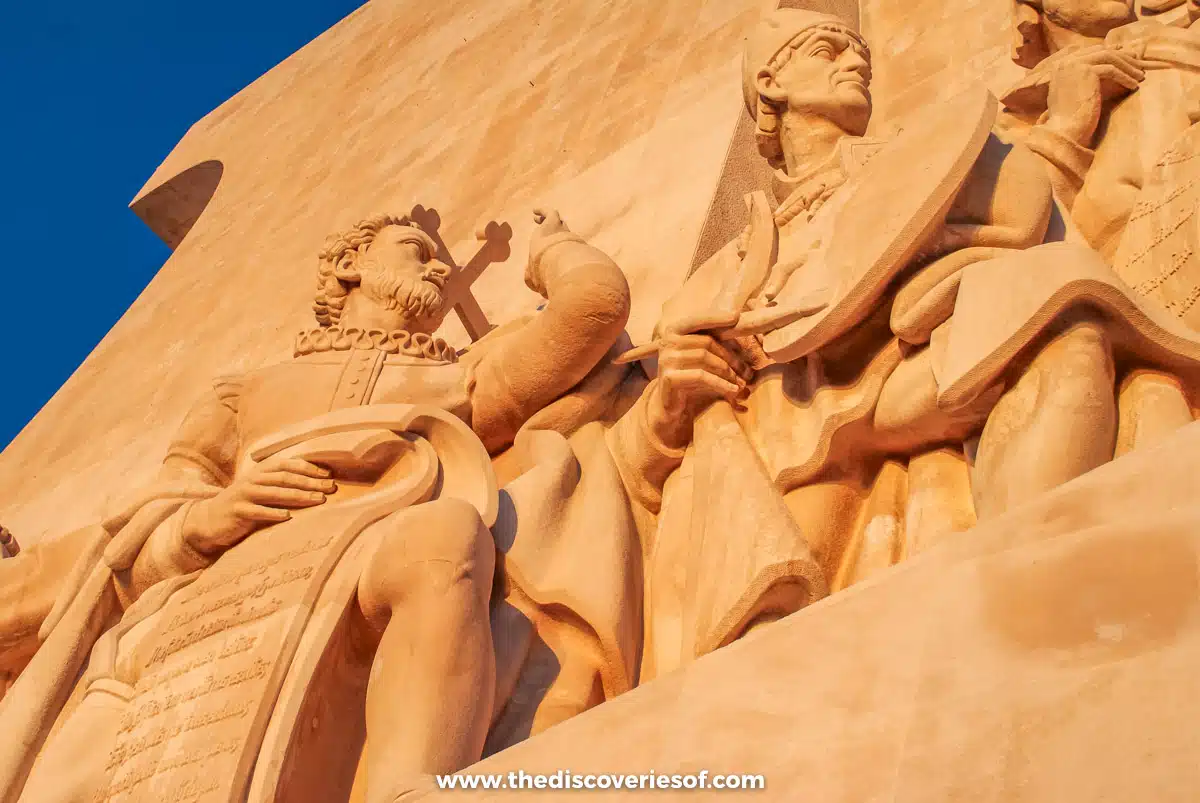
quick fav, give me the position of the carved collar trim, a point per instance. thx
(398, 341)
(804, 195)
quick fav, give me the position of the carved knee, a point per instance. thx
(908, 395)
(1058, 422)
(430, 550)
(1152, 405)
(1079, 367)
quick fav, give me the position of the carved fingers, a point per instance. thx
(817, 234)
(709, 365)
(297, 466)
(693, 372)
(290, 483)
(248, 512)
(709, 320)
(1123, 67)
(281, 497)
(549, 221)
(782, 272)
(261, 495)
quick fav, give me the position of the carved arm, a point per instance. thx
(586, 312)
(201, 457)
(29, 586)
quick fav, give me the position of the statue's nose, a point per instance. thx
(853, 61)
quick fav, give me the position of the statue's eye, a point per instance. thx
(823, 52)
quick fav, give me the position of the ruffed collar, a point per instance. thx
(397, 341)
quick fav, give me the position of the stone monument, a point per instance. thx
(884, 494)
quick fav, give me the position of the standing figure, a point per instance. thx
(958, 366)
(1111, 106)
(1106, 97)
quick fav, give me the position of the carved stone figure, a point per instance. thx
(1106, 97)
(922, 358)
(317, 564)
(1111, 106)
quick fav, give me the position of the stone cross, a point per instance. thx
(495, 238)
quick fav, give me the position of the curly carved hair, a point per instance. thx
(342, 250)
(767, 130)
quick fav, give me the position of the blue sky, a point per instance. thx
(93, 96)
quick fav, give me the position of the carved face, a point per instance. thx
(827, 75)
(1089, 17)
(394, 273)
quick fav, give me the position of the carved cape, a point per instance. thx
(575, 485)
(863, 435)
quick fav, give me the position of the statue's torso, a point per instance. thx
(184, 687)
(280, 395)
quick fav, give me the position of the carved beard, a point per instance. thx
(421, 301)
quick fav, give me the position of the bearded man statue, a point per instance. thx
(326, 593)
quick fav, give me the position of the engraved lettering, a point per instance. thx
(236, 646)
(131, 749)
(153, 708)
(240, 617)
(142, 774)
(221, 581)
(256, 591)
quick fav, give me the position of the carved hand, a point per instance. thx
(257, 497)
(549, 223)
(1081, 82)
(693, 372)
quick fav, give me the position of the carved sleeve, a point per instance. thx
(206, 444)
(29, 585)
(203, 453)
(1067, 162)
(586, 311)
(643, 460)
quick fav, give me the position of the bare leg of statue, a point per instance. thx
(1153, 406)
(1056, 423)
(425, 593)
